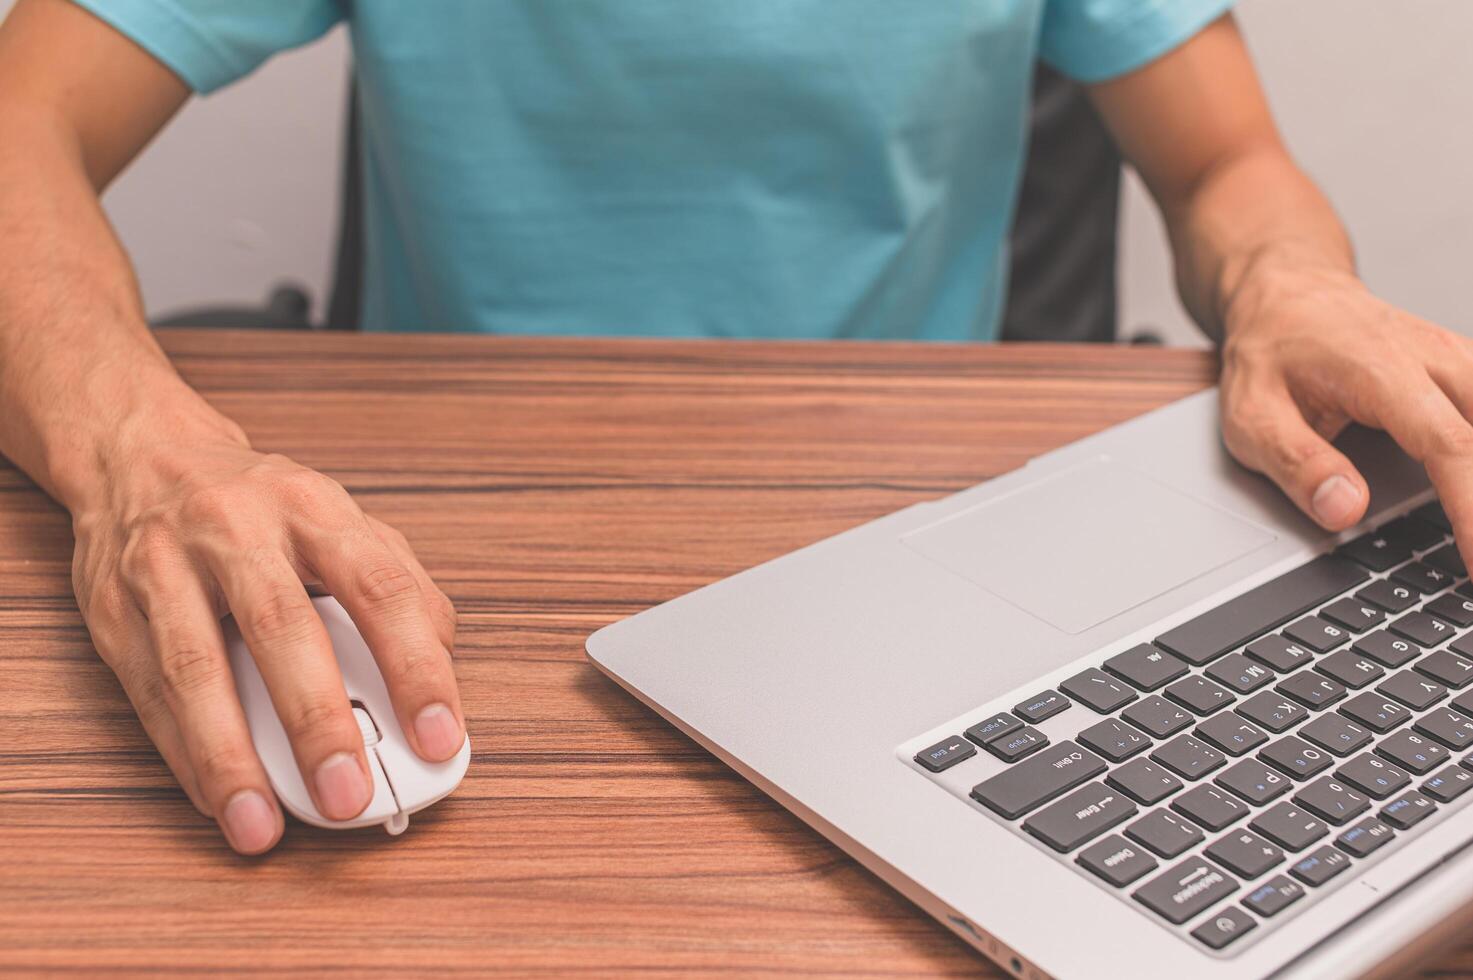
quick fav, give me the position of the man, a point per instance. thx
(804, 168)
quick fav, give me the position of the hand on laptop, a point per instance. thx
(1306, 353)
(188, 533)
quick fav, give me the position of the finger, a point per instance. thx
(1265, 430)
(295, 657)
(392, 611)
(121, 637)
(442, 610)
(1425, 423)
(196, 683)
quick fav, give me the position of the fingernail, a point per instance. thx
(1336, 501)
(250, 822)
(438, 732)
(342, 788)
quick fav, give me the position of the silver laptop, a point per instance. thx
(1121, 712)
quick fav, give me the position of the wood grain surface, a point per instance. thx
(551, 487)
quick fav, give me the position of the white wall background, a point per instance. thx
(1376, 99)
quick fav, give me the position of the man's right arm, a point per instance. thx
(177, 518)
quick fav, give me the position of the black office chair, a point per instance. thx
(1062, 285)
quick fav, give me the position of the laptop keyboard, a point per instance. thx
(1244, 760)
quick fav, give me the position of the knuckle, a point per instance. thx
(147, 551)
(280, 615)
(219, 765)
(316, 715)
(415, 668)
(386, 581)
(186, 670)
(213, 505)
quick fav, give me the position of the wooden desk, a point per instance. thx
(550, 487)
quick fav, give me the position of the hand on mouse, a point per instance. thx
(1309, 351)
(188, 528)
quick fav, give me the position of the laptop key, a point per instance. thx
(1210, 807)
(1144, 781)
(1232, 733)
(1319, 866)
(1096, 689)
(1296, 757)
(1422, 578)
(1452, 728)
(1332, 801)
(1375, 777)
(1384, 648)
(1377, 550)
(1254, 782)
(1433, 514)
(1312, 690)
(1407, 810)
(1290, 827)
(1273, 711)
(1261, 609)
(1040, 779)
(1413, 752)
(1452, 608)
(1199, 695)
(1351, 668)
(1146, 667)
(1278, 653)
(1116, 860)
(1463, 703)
(1336, 735)
(1318, 635)
(1379, 714)
(1365, 837)
(1080, 817)
(1017, 745)
(1463, 645)
(1388, 595)
(1354, 616)
(1166, 834)
(1448, 783)
(1224, 926)
(1412, 689)
(1043, 705)
(1421, 628)
(1419, 534)
(1446, 668)
(1115, 740)
(1447, 559)
(1157, 717)
(995, 727)
(1240, 674)
(1246, 854)
(946, 753)
(1273, 896)
(1188, 757)
(1186, 890)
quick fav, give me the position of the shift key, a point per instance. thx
(1038, 779)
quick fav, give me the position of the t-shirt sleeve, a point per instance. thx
(211, 43)
(1093, 40)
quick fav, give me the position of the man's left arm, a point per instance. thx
(1266, 268)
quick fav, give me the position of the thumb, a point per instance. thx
(1267, 432)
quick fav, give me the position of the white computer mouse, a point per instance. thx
(403, 783)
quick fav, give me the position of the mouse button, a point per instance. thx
(418, 783)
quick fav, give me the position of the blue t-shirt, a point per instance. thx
(761, 168)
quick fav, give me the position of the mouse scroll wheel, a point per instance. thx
(366, 726)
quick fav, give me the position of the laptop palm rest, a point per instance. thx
(1083, 545)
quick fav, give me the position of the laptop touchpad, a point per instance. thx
(1086, 544)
